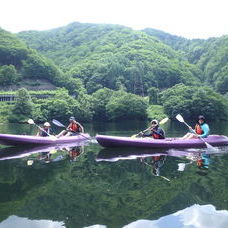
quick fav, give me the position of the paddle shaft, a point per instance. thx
(59, 124)
(43, 130)
(163, 121)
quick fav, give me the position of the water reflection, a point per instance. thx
(46, 154)
(195, 216)
(115, 191)
(156, 158)
(15, 221)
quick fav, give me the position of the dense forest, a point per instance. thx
(110, 72)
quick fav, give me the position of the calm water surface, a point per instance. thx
(87, 185)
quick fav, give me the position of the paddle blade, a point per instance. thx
(30, 121)
(29, 162)
(181, 167)
(57, 123)
(210, 147)
(163, 121)
(180, 118)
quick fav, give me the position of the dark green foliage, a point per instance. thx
(91, 57)
(123, 105)
(221, 83)
(115, 105)
(8, 75)
(112, 56)
(23, 107)
(153, 95)
(12, 49)
(100, 99)
(193, 101)
(28, 63)
(211, 56)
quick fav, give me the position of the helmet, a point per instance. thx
(46, 124)
(71, 118)
(154, 122)
(201, 117)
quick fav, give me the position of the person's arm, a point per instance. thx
(82, 129)
(69, 127)
(206, 130)
(147, 134)
(192, 131)
(38, 133)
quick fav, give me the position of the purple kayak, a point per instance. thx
(13, 140)
(117, 141)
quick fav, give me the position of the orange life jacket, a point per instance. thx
(156, 136)
(198, 129)
(74, 127)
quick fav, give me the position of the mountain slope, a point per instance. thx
(113, 56)
(210, 55)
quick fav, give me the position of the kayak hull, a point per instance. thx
(14, 140)
(118, 141)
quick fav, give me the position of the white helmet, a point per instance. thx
(154, 122)
(46, 124)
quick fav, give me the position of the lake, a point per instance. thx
(84, 186)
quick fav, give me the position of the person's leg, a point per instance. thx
(186, 136)
(190, 136)
(68, 134)
(61, 133)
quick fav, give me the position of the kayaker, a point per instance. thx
(157, 162)
(75, 152)
(201, 129)
(204, 161)
(155, 131)
(73, 128)
(46, 130)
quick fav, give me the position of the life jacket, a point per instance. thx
(198, 129)
(45, 132)
(74, 127)
(156, 136)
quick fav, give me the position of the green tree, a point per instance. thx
(22, 110)
(100, 99)
(8, 75)
(153, 95)
(192, 101)
(124, 105)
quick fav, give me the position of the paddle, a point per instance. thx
(31, 121)
(57, 123)
(181, 119)
(165, 178)
(163, 121)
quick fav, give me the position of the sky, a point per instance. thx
(186, 18)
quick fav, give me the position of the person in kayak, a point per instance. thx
(201, 129)
(155, 131)
(46, 130)
(74, 128)
(203, 161)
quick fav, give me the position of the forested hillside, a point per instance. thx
(19, 62)
(210, 56)
(112, 72)
(113, 56)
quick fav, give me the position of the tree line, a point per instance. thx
(109, 72)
